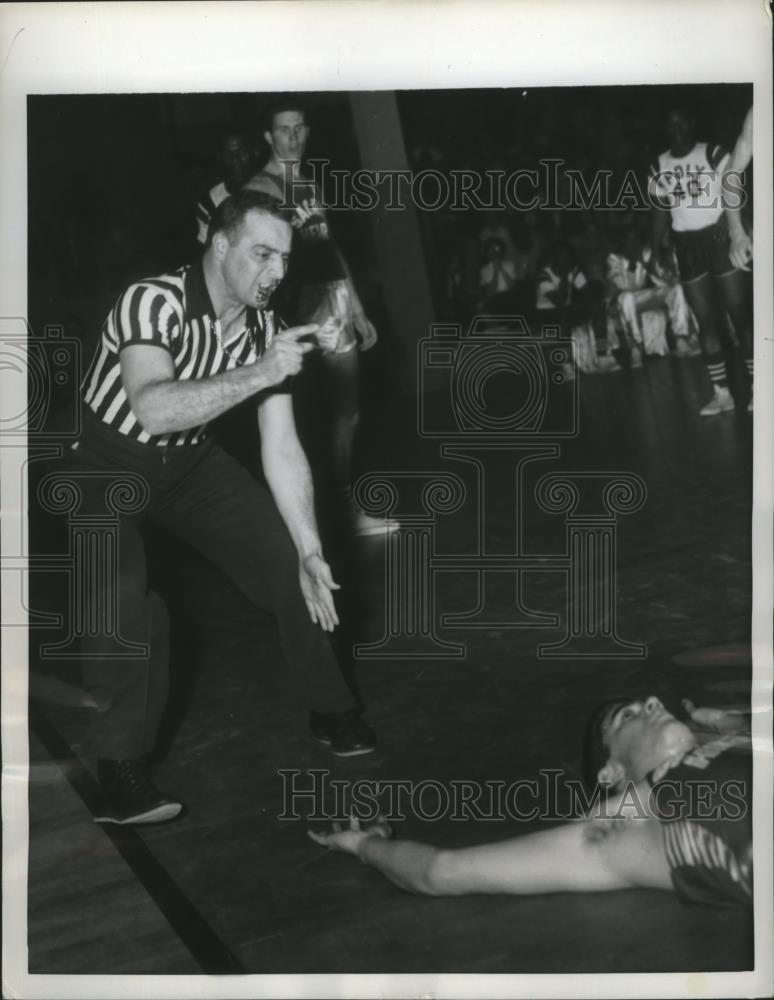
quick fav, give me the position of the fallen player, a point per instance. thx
(674, 813)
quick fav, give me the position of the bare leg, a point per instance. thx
(700, 294)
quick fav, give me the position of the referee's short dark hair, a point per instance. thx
(230, 213)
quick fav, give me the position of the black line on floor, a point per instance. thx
(206, 948)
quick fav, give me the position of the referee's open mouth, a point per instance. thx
(263, 295)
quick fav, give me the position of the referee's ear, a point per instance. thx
(220, 245)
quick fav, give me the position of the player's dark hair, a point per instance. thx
(595, 751)
(286, 104)
(232, 130)
(684, 112)
(230, 213)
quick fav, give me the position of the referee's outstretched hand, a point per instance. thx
(285, 354)
(317, 586)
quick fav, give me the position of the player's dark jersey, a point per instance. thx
(705, 807)
(317, 286)
(315, 259)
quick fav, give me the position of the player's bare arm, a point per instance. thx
(741, 250)
(562, 859)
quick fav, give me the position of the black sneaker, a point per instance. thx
(345, 732)
(129, 796)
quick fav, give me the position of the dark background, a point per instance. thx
(114, 178)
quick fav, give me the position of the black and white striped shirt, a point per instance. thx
(175, 312)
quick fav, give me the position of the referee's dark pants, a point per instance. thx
(206, 497)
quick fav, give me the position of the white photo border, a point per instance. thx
(346, 45)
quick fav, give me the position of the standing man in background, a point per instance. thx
(237, 161)
(320, 288)
(687, 194)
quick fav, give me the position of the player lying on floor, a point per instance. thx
(679, 797)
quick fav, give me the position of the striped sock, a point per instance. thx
(749, 364)
(716, 369)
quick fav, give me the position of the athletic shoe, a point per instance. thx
(344, 732)
(721, 402)
(607, 363)
(366, 525)
(636, 358)
(129, 795)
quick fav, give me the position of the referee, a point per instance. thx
(175, 352)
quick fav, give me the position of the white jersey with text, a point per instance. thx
(690, 186)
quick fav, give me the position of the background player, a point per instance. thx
(237, 161)
(319, 286)
(687, 180)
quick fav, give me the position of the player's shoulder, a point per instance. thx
(715, 154)
(267, 183)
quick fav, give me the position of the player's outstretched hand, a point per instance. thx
(304, 212)
(350, 840)
(329, 334)
(721, 720)
(317, 586)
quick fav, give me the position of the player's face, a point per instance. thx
(288, 135)
(679, 129)
(641, 735)
(236, 159)
(255, 262)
